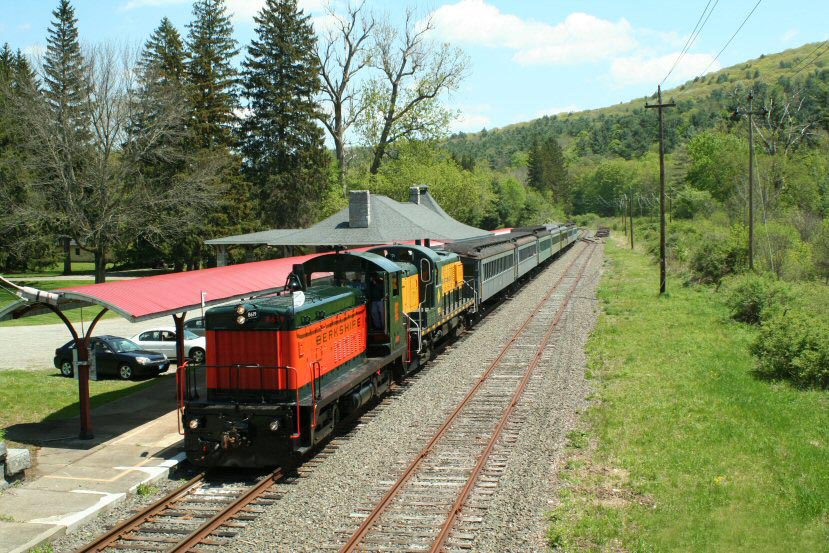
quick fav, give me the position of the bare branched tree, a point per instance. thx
(89, 186)
(783, 127)
(343, 53)
(404, 102)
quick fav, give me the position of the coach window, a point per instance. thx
(395, 285)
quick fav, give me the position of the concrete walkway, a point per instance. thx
(136, 441)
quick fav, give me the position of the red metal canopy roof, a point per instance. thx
(154, 296)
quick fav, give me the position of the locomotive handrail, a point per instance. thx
(474, 292)
(419, 332)
(286, 368)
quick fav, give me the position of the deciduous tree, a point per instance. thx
(404, 102)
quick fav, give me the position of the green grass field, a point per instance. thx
(79, 268)
(33, 396)
(686, 449)
(74, 315)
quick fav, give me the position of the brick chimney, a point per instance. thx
(359, 209)
(414, 194)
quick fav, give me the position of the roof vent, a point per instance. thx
(359, 209)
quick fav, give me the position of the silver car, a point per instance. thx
(163, 340)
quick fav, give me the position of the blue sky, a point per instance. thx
(528, 58)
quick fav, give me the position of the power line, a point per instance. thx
(807, 56)
(805, 65)
(692, 37)
(730, 39)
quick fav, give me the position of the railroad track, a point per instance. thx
(209, 510)
(206, 511)
(420, 511)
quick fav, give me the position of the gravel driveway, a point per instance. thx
(33, 347)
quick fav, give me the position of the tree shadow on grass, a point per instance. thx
(114, 412)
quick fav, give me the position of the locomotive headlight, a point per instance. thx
(240, 309)
(274, 425)
(241, 319)
(193, 424)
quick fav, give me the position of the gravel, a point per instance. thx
(123, 510)
(321, 509)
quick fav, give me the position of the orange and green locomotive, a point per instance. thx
(281, 371)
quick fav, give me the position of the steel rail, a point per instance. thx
(228, 513)
(141, 517)
(369, 521)
(516, 397)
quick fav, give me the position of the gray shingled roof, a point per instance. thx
(389, 221)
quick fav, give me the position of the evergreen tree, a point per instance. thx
(547, 170)
(64, 83)
(211, 73)
(22, 246)
(282, 145)
(162, 60)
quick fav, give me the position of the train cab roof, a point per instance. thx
(350, 261)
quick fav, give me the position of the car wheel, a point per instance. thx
(197, 356)
(66, 368)
(125, 372)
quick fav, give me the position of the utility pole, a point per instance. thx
(662, 264)
(736, 116)
(622, 204)
(630, 213)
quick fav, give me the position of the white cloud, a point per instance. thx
(24, 26)
(472, 118)
(579, 38)
(789, 35)
(638, 69)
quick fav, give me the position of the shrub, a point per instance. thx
(718, 254)
(691, 202)
(587, 220)
(754, 298)
(794, 345)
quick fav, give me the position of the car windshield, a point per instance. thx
(190, 335)
(122, 345)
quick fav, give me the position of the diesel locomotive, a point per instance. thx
(282, 371)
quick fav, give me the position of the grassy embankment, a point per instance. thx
(686, 449)
(33, 396)
(74, 315)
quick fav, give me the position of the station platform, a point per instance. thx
(72, 480)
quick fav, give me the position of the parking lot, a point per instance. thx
(33, 347)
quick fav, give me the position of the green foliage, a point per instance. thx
(546, 170)
(690, 202)
(718, 163)
(146, 490)
(820, 251)
(720, 253)
(794, 345)
(754, 298)
(775, 245)
(211, 73)
(63, 68)
(587, 220)
(281, 142)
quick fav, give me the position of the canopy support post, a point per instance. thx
(82, 345)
